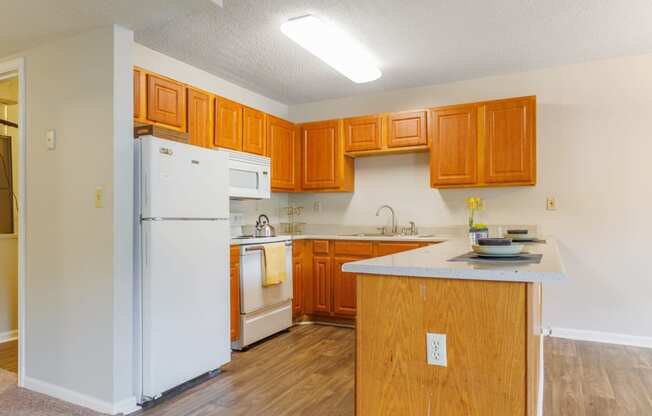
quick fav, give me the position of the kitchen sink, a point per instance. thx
(367, 235)
(397, 236)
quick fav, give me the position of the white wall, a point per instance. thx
(157, 62)
(78, 324)
(594, 148)
(251, 209)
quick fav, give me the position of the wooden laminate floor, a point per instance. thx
(309, 371)
(306, 372)
(587, 378)
(9, 356)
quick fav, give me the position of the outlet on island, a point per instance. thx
(436, 349)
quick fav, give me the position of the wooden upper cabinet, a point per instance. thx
(363, 133)
(454, 145)
(283, 149)
(408, 129)
(200, 118)
(344, 290)
(320, 147)
(253, 131)
(228, 124)
(140, 94)
(166, 102)
(509, 140)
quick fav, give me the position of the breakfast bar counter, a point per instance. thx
(433, 261)
(479, 326)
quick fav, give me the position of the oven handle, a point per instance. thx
(260, 248)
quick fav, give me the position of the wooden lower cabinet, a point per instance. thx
(322, 285)
(344, 301)
(327, 290)
(387, 248)
(297, 278)
(235, 293)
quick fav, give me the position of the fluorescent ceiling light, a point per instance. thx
(332, 46)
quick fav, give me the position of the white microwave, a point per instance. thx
(249, 176)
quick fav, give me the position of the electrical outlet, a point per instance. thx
(316, 207)
(551, 203)
(436, 349)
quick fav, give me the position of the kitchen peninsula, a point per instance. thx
(490, 315)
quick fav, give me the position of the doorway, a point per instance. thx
(12, 167)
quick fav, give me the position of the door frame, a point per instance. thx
(17, 65)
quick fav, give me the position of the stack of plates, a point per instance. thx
(512, 250)
(521, 235)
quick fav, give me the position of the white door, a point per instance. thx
(185, 305)
(183, 181)
(253, 295)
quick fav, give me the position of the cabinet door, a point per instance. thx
(200, 120)
(166, 102)
(363, 133)
(385, 249)
(344, 292)
(253, 131)
(407, 129)
(509, 141)
(454, 146)
(283, 149)
(320, 155)
(228, 124)
(235, 293)
(297, 282)
(321, 285)
(140, 93)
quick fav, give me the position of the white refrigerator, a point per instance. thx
(182, 264)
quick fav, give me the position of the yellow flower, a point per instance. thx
(474, 203)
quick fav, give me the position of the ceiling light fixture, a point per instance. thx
(333, 46)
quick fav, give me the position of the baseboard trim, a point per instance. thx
(324, 323)
(8, 336)
(125, 406)
(603, 337)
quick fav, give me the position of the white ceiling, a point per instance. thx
(417, 42)
(27, 23)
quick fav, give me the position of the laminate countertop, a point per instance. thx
(433, 262)
(347, 237)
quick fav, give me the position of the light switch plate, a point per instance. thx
(51, 139)
(99, 197)
(436, 349)
(551, 203)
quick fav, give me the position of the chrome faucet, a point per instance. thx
(394, 227)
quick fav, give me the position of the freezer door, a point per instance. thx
(183, 181)
(185, 301)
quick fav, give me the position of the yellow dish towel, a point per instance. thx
(274, 264)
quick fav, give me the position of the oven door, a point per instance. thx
(253, 295)
(248, 180)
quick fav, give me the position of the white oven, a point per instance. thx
(249, 176)
(264, 310)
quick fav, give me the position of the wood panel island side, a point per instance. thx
(490, 314)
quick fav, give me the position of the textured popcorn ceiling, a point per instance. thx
(417, 42)
(27, 23)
